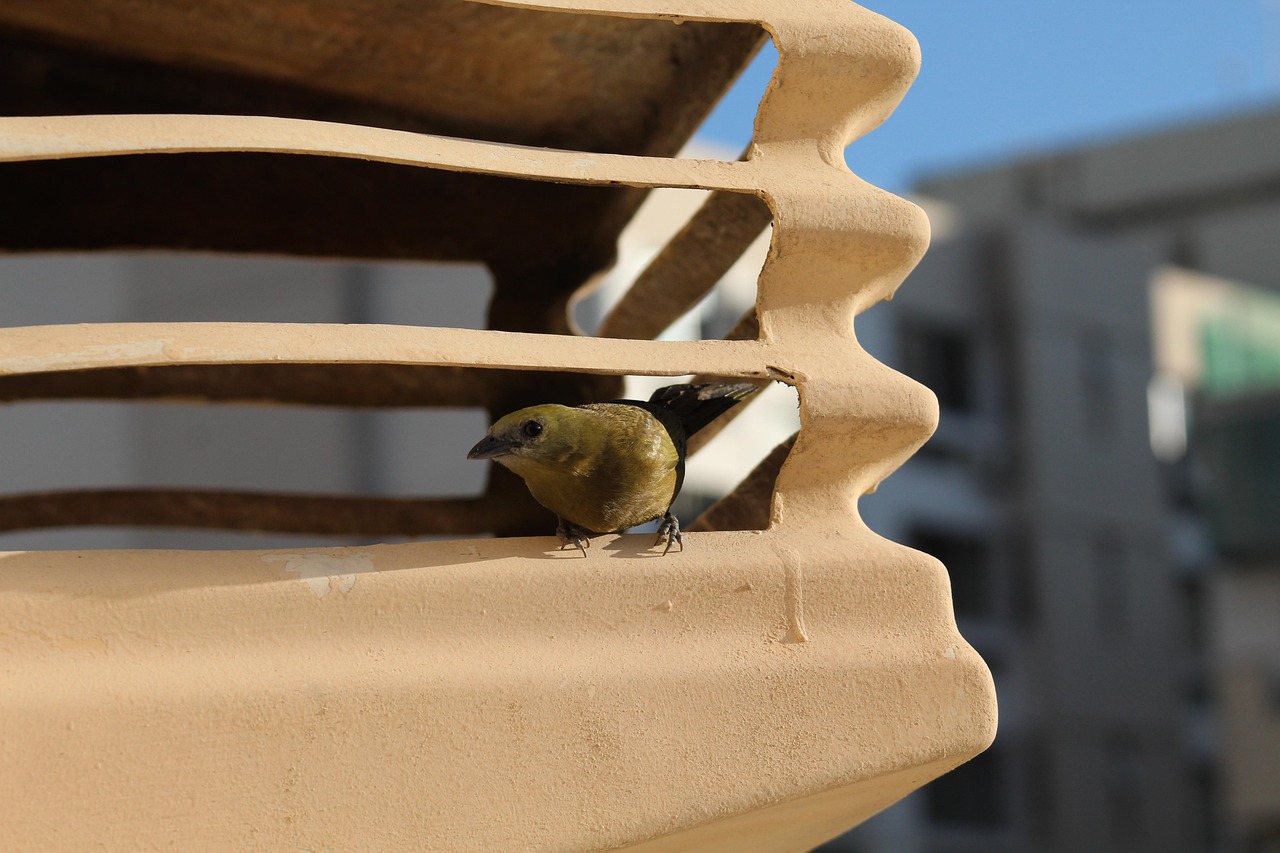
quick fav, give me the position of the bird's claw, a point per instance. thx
(572, 534)
(669, 530)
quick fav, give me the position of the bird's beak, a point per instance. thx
(490, 447)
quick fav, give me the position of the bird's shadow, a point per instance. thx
(127, 574)
(634, 546)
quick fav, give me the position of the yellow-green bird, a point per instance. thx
(605, 467)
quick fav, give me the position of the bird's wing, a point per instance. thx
(698, 405)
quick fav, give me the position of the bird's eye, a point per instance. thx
(532, 429)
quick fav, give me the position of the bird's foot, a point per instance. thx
(572, 534)
(669, 530)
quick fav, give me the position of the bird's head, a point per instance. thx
(536, 435)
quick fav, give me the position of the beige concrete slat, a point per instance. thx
(25, 138)
(38, 349)
(747, 506)
(443, 66)
(688, 266)
(846, 67)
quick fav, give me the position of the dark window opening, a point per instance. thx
(1098, 381)
(1123, 785)
(1109, 564)
(940, 358)
(972, 795)
(968, 561)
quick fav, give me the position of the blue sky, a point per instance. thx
(1010, 78)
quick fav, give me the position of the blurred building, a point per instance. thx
(1219, 341)
(1112, 527)
(61, 444)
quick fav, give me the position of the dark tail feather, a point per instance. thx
(699, 405)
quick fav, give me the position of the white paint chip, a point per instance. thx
(323, 573)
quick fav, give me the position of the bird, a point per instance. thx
(606, 467)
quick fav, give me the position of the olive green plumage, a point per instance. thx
(605, 467)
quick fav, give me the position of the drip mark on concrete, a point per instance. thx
(793, 601)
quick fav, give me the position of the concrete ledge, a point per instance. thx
(478, 695)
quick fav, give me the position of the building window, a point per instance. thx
(941, 358)
(1122, 785)
(1110, 581)
(968, 561)
(1039, 788)
(972, 795)
(1193, 599)
(1098, 381)
(1271, 690)
(1022, 579)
